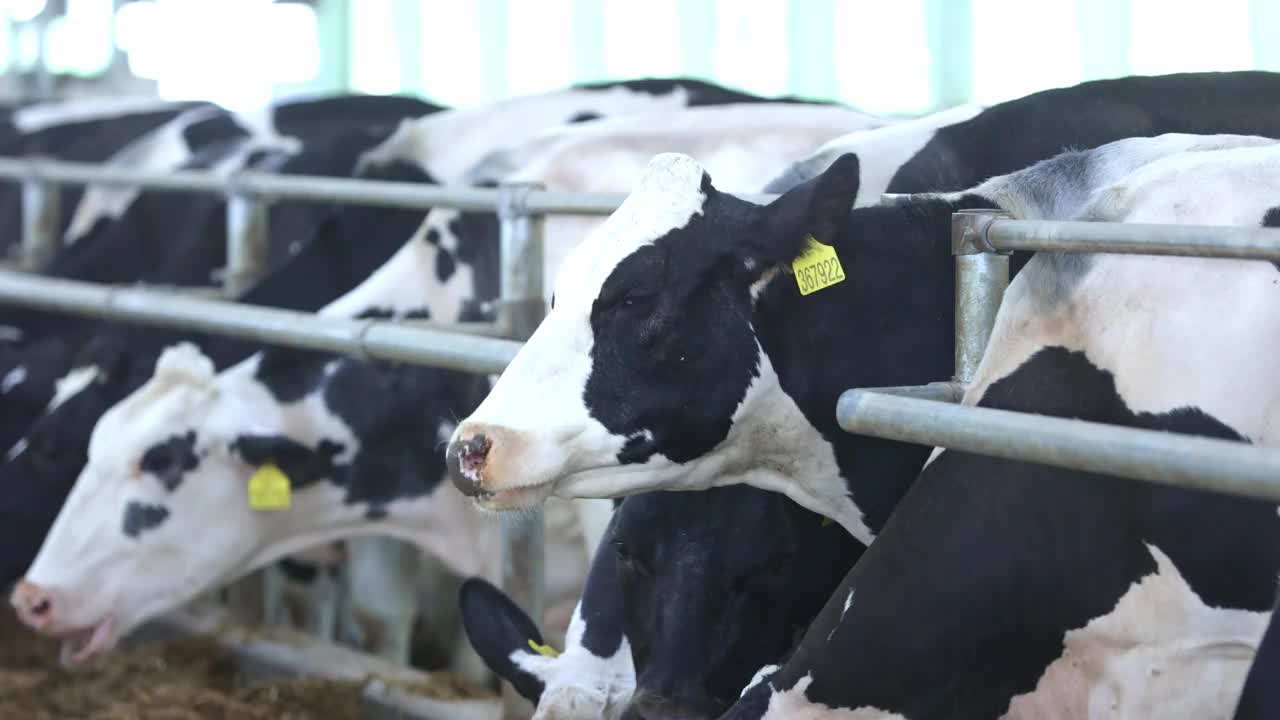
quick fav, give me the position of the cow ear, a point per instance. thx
(817, 208)
(500, 632)
(297, 460)
(184, 363)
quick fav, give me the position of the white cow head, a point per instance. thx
(163, 511)
(118, 552)
(648, 373)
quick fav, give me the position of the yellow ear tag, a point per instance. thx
(817, 267)
(269, 489)
(544, 650)
(827, 521)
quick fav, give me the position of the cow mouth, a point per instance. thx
(79, 646)
(525, 497)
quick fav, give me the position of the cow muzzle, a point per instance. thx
(466, 459)
(39, 609)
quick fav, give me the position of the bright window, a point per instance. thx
(1021, 47)
(882, 56)
(1187, 35)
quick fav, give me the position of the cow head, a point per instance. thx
(163, 511)
(647, 372)
(706, 587)
(119, 551)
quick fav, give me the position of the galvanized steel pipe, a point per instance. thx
(41, 202)
(247, 228)
(373, 338)
(520, 309)
(1155, 456)
(981, 279)
(1245, 243)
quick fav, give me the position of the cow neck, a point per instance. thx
(433, 522)
(890, 322)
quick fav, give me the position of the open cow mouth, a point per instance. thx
(79, 646)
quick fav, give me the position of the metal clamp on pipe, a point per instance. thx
(1174, 459)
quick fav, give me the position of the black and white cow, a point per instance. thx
(328, 251)
(701, 589)
(1082, 595)
(746, 345)
(400, 284)
(78, 131)
(961, 147)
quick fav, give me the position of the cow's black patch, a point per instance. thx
(1272, 219)
(962, 155)
(216, 127)
(304, 465)
(375, 512)
(140, 517)
(169, 460)
(477, 235)
(297, 572)
(584, 116)
(1027, 535)
(432, 236)
(445, 265)
(715, 585)
(699, 92)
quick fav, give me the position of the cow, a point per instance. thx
(777, 429)
(700, 609)
(448, 293)
(616, 278)
(961, 147)
(1083, 595)
(78, 131)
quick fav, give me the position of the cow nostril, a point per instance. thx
(465, 460)
(33, 604)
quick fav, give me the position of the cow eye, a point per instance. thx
(629, 562)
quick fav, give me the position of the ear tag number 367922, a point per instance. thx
(817, 267)
(269, 488)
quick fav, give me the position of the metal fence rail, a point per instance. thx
(381, 339)
(981, 240)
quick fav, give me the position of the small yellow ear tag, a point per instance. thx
(544, 650)
(269, 488)
(827, 521)
(817, 267)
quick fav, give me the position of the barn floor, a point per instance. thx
(191, 678)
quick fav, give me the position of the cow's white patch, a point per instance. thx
(71, 384)
(793, 705)
(43, 115)
(848, 602)
(1161, 653)
(17, 449)
(577, 684)
(759, 677)
(13, 378)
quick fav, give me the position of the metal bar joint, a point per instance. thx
(969, 230)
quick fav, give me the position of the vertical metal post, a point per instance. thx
(40, 211)
(982, 274)
(520, 309)
(246, 241)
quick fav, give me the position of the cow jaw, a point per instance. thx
(82, 645)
